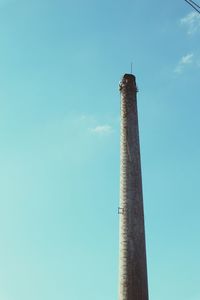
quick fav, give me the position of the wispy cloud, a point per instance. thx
(96, 127)
(191, 22)
(184, 61)
(102, 129)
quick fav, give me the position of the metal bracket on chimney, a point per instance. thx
(120, 210)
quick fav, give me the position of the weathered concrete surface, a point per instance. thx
(133, 269)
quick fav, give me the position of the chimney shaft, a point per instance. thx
(133, 270)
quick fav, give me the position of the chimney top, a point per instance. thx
(128, 81)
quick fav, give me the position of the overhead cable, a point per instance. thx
(194, 5)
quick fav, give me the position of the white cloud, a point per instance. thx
(191, 22)
(102, 129)
(185, 60)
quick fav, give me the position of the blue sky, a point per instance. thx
(60, 65)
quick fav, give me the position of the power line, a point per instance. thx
(194, 5)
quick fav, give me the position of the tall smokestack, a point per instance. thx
(133, 269)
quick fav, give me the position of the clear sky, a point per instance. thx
(60, 65)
